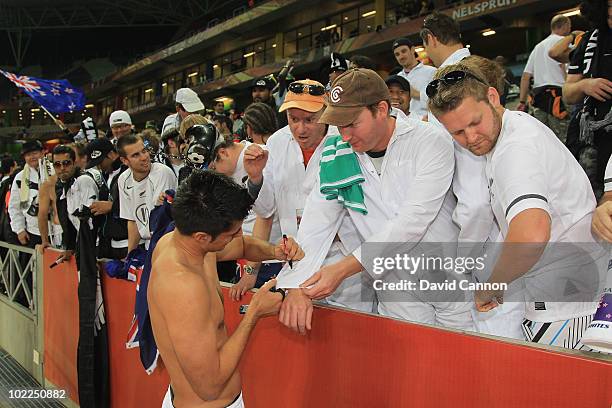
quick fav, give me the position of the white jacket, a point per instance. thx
(20, 219)
(409, 202)
(286, 183)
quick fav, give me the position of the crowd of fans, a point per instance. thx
(114, 182)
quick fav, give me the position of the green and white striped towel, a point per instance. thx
(340, 174)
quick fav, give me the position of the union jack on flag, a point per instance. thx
(55, 95)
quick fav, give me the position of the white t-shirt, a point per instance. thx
(138, 198)
(419, 77)
(530, 168)
(83, 192)
(545, 70)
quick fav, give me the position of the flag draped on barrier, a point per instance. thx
(141, 333)
(54, 95)
(92, 351)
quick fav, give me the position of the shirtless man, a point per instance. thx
(66, 165)
(185, 298)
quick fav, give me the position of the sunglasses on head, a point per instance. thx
(449, 79)
(63, 163)
(314, 90)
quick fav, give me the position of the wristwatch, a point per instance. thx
(249, 270)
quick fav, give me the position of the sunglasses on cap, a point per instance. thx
(450, 79)
(63, 163)
(299, 88)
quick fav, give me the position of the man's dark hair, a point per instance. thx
(261, 118)
(443, 27)
(596, 12)
(126, 141)
(7, 163)
(63, 149)
(361, 61)
(209, 202)
(224, 119)
(180, 107)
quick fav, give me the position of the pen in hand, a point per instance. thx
(285, 243)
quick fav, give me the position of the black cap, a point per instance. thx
(263, 82)
(31, 146)
(401, 41)
(97, 150)
(400, 80)
(338, 62)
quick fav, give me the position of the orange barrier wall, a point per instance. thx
(348, 360)
(130, 384)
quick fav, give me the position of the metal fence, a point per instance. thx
(18, 276)
(21, 307)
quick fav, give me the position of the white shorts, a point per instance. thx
(167, 403)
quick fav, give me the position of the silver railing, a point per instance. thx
(16, 264)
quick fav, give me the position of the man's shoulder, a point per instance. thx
(279, 137)
(419, 129)
(428, 69)
(172, 280)
(19, 175)
(124, 176)
(520, 131)
(161, 170)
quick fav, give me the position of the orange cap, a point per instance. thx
(304, 100)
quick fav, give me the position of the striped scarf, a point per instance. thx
(340, 174)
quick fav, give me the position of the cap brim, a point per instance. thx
(193, 107)
(304, 105)
(340, 116)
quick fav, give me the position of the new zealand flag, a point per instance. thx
(55, 95)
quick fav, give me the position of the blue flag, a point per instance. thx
(56, 95)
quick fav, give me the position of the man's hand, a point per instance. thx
(598, 88)
(23, 237)
(66, 255)
(265, 303)
(290, 251)
(602, 221)
(101, 207)
(488, 299)
(323, 283)
(160, 199)
(41, 247)
(255, 159)
(246, 283)
(522, 107)
(296, 311)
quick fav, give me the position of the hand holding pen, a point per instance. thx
(288, 250)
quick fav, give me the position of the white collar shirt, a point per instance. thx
(530, 168)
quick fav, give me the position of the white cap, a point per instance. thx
(119, 117)
(189, 99)
(170, 123)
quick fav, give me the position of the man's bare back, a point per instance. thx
(176, 278)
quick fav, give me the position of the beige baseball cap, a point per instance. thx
(350, 93)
